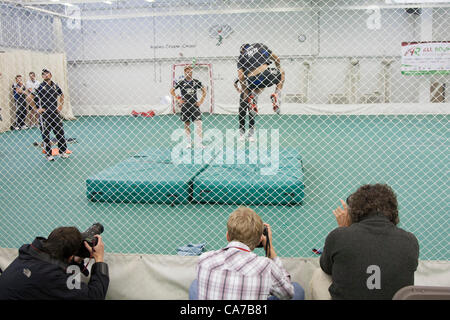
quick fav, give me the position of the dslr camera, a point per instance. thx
(89, 237)
(266, 234)
(260, 245)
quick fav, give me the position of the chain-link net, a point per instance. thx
(353, 94)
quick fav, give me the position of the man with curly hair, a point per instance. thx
(368, 256)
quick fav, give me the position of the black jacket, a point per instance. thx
(371, 259)
(254, 56)
(35, 275)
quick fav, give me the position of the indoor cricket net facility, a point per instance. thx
(166, 129)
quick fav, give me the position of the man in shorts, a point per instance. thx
(255, 74)
(190, 107)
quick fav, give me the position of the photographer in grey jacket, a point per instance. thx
(368, 256)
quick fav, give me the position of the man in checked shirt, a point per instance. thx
(236, 273)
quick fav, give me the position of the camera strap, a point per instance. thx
(267, 248)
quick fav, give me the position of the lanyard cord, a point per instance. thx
(239, 249)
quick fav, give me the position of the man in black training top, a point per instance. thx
(51, 101)
(255, 74)
(190, 107)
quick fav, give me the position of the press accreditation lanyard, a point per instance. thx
(239, 249)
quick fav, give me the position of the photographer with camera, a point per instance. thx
(49, 269)
(236, 272)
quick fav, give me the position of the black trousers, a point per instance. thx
(243, 110)
(51, 121)
(21, 112)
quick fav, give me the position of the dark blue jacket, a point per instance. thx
(34, 275)
(19, 97)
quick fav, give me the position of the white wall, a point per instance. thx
(155, 37)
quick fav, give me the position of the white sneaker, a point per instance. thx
(242, 137)
(188, 146)
(251, 138)
(16, 128)
(24, 127)
(64, 155)
(50, 158)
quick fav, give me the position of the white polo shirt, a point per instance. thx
(32, 85)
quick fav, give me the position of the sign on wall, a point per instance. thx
(429, 57)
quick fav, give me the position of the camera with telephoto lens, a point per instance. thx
(89, 237)
(266, 234)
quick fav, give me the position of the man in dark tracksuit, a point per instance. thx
(19, 93)
(37, 274)
(49, 109)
